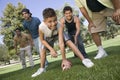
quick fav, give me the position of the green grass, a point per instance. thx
(105, 69)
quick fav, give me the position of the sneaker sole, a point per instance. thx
(105, 55)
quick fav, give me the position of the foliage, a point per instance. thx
(112, 29)
(10, 20)
(4, 56)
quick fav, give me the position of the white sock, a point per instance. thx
(42, 68)
(100, 48)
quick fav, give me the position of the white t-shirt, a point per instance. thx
(48, 34)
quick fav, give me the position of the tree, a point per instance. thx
(11, 19)
(4, 56)
(112, 29)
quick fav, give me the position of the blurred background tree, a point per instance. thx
(10, 20)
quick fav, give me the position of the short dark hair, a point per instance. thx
(18, 29)
(67, 8)
(26, 10)
(48, 12)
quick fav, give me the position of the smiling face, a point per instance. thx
(18, 32)
(68, 14)
(51, 22)
(26, 15)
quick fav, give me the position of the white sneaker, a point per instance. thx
(88, 63)
(101, 54)
(39, 71)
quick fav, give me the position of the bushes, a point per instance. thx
(4, 54)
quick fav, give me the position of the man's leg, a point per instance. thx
(29, 53)
(22, 58)
(99, 19)
(96, 38)
(101, 52)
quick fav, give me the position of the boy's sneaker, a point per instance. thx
(39, 71)
(101, 54)
(87, 62)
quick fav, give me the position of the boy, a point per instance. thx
(49, 31)
(72, 25)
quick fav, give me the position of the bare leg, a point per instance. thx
(42, 58)
(75, 49)
(101, 52)
(96, 39)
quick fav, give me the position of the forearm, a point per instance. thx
(85, 14)
(62, 46)
(116, 4)
(47, 45)
(77, 33)
(61, 42)
(62, 49)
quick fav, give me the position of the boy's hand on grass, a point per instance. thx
(66, 65)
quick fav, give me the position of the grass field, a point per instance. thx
(105, 69)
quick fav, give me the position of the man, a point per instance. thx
(72, 25)
(31, 24)
(96, 17)
(24, 42)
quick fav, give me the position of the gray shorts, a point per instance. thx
(52, 40)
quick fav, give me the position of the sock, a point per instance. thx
(100, 48)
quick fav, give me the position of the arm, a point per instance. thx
(116, 4)
(85, 14)
(45, 43)
(77, 21)
(65, 63)
(116, 14)
(30, 41)
(61, 40)
(15, 45)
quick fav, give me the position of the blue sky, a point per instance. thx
(37, 6)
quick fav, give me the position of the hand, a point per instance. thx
(116, 16)
(66, 65)
(91, 25)
(53, 53)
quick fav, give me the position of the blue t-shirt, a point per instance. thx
(32, 26)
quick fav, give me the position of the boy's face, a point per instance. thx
(26, 15)
(18, 32)
(51, 22)
(68, 14)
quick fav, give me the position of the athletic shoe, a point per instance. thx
(101, 54)
(88, 63)
(39, 71)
